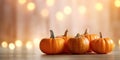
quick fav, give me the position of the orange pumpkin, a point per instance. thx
(78, 44)
(102, 45)
(52, 45)
(90, 37)
(66, 38)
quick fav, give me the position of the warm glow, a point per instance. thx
(50, 2)
(117, 3)
(36, 41)
(18, 43)
(31, 6)
(11, 46)
(22, 1)
(67, 10)
(82, 9)
(119, 42)
(59, 16)
(4, 44)
(44, 12)
(29, 45)
(99, 6)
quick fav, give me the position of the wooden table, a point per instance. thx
(35, 54)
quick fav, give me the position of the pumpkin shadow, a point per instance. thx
(88, 53)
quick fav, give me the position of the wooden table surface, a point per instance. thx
(24, 54)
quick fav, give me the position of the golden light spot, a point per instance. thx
(36, 41)
(44, 12)
(82, 9)
(117, 3)
(67, 10)
(11, 46)
(50, 2)
(18, 43)
(119, 42)
(29, 45)
(59, 16)
(21, 1)
(30, 6)
(4, 44)
(99, 6)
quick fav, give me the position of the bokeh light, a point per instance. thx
(30, 6)
(82, 9)
(4, 44)
(36, 41)
(59, 16)
(21, 1)
(67, 10)
(18, 43)
(119, 42)
(29, 45)
(44, 12)
(117, 3)
(11, 46)
(50, 2)
(99, 6)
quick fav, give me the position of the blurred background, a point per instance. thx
(26, 22)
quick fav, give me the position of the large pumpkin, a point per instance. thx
(52, 45)
(90, 37)
(78, 44)
(102, 45)
(66, 38)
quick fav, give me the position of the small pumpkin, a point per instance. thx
(102, 45)
(66, 38)
(90, 37)
(52, 45)
(78, 45)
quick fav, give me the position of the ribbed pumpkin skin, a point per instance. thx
(102, 45)
(52, 46)
(91, 37)
(78, 45)
(66, 38)
(65, 49)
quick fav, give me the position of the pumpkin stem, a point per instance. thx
(100, 35)
(52, 34)
(86, 31)
(65, 34)
(78, 35)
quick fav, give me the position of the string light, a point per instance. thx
(82, 9)
(30, 6)
(117, 3)
(18, 43)
(59, 16)
(29, 45)
(67, 10)
(99, 6)
(4, 44)
(44, 12)
(50, 2)
(11, 46)
(21, 1)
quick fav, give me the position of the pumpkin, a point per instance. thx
(102, 45)
(90, 37)
(78, 45)
(52, 45)
(66, 38)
